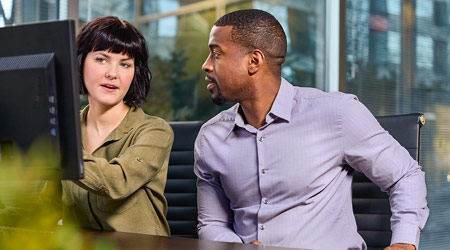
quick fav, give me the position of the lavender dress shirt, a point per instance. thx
(287, 183)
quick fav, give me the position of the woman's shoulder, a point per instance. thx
(146, 120)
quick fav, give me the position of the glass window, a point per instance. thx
(177, 33)
(393, 48)
(424, 50)
(176, 55)
(411, 75)
(393, 7)
(26, 11)
(159, 6)
(90, 9)
(424, 8)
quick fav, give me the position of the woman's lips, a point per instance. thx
(109, 87)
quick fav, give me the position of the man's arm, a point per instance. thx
(214, 214)
(372, 151)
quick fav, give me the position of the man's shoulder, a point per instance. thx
(224, 117)
(222, 122)
(316, 101)
(318, 94)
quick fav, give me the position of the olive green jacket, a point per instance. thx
(123, 188)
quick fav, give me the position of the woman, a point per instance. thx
(125, 151)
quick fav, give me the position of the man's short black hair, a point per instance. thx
(257, 29)
(117, 36)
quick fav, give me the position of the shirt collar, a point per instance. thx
(281, 107)
(238, 120)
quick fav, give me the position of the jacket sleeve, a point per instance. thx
(136, 166)
(214, 213)
(373, 151)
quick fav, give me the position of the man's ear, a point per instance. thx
(257, 60)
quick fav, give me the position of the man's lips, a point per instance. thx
(211, 83)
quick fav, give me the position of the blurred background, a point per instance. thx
(393, 54)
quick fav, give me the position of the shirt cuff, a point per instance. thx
(229, 237)
(405, 233)
(217, 233)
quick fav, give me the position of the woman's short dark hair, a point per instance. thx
(117, 36)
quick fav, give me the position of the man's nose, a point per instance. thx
(207, 66)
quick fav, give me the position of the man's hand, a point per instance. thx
(401, 246)
(255, 242)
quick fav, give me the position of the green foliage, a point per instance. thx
(26, 220)
(173, 91)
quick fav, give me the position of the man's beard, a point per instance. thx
(219, 100)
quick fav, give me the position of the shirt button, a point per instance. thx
(263, 171)
(266, 201)
(261, 139)
(262, 227)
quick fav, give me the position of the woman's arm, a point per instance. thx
(136, 166)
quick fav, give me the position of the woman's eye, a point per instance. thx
(100, 59)
(126, 65)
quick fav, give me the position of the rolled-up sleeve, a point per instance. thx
(136, 166)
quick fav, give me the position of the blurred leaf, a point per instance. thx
(26, 220)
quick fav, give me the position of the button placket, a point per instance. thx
(263, 183)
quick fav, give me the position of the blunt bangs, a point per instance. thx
(121, 41)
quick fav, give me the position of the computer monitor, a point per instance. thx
(39, 97)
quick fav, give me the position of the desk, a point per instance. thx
(132, 241)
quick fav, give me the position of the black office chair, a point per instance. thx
(181, 187)
(370, 205)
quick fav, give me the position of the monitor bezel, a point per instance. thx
(56, 37)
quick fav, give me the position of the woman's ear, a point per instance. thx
(257, 60)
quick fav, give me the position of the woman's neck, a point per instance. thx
(103, 120)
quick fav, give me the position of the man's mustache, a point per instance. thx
(211, 79)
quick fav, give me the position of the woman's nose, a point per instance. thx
(111, 73)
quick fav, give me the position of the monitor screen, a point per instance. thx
(39, 98)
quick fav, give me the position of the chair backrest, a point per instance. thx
(181, 186)
(370, 205)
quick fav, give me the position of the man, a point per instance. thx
(273, 168)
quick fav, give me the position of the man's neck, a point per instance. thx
(255, 109)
